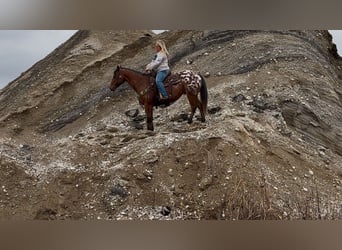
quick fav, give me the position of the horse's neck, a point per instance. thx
(136, 80)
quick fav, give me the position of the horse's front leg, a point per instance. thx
(149, 116)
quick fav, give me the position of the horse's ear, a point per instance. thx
(119, 66)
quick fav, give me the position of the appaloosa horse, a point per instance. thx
(184, 82)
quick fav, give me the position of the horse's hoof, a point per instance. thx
(150, 133)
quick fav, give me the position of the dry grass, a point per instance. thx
(245, 202)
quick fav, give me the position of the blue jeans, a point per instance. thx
(161, 75)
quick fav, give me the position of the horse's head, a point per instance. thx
(117, 80)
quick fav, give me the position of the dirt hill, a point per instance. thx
(271, 147)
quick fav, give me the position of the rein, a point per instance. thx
(172, 81)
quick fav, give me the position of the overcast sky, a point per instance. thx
(20, 49)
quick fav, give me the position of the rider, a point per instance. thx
(160, 63)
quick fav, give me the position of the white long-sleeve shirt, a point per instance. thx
(159, 63)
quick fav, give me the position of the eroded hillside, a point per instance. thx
(270, 149)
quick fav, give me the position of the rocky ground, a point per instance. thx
(270, 148)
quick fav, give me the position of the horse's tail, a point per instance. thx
(204, 94)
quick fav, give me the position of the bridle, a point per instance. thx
(117, 76)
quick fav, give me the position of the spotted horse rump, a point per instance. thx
(191, 80)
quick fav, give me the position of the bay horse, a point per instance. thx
(176, 84)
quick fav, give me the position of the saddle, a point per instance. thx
(169, 80)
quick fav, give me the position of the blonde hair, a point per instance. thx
(162, 45)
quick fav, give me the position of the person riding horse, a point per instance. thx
(161, 65)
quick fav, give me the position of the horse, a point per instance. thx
(176, 84)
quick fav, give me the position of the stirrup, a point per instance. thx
(162, 98)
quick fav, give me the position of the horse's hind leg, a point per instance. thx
(194, 104)
(200, 106)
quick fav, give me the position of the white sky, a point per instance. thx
(20, 49)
